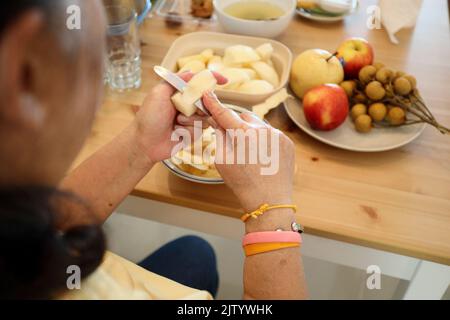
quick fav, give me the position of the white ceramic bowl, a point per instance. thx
(266, 29)
(196, 42)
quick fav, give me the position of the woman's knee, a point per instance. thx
(198, 246)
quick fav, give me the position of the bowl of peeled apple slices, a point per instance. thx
(256, 68)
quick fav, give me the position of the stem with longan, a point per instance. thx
(391, 96)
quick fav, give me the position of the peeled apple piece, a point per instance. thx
(266, 72)
(271, 103)
(201, 82)
(185, 157)
(240, 54)
(265, 51)
(251, 73)
(193, 66)
(216, 64)
(203, 57)
(184, 60)
(208, 135)
(256, 87)
(207, 54)
(182, 105)
(235, 76)
(209, 155)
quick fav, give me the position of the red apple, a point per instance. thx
(355, 54)
(325, 107)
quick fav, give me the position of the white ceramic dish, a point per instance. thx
(190, 177)
(346, 137)
(194, 43)
(321, 18)
(193, 178)
(266, 29)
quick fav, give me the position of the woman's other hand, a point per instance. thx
(254, 184)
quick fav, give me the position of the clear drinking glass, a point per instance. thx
(123, 63)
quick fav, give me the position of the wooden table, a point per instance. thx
(397, 201)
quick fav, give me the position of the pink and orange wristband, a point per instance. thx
(260, 242)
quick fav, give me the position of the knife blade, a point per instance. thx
(178, 83)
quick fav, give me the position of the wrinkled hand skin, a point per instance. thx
(250, 186)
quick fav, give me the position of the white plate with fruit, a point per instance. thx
(327, 11)
(346, 137)
(374, 109)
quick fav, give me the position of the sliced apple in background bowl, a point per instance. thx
(236, 52)
(256, 86)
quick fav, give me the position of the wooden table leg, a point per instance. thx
(429, 282)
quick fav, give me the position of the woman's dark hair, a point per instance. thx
(54, 10)
(12, 9)
(34, 254)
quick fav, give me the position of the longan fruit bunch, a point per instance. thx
(369, 93)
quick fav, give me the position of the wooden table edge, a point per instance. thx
(235, 213)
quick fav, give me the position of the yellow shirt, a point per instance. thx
(120, 279)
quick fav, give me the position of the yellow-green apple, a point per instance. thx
(325, 107)
(313, 68)
(355, 54)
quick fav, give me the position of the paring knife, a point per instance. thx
(178, 83)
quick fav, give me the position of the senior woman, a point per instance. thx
(50, 89)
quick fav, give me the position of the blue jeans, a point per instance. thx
(188, 260)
